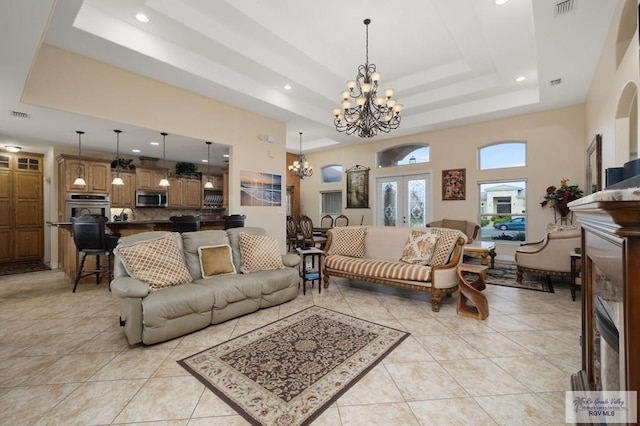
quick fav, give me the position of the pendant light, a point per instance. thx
(164, 181)
(208, 185)
(117, 180)
(301, 166)
(79, 180)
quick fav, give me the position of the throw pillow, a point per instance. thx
(460, 225)
(156, 262)
(348, 241)
(420, 247)
(447, 239)
(216, 260)
(259, 253)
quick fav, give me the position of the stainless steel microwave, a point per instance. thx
(151, 199)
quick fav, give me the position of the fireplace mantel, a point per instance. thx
(610, 222)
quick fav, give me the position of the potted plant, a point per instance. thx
(187, 169)
(123, 163)
(559, 197)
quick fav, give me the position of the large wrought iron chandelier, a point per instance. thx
(372, 113)
(301, 167)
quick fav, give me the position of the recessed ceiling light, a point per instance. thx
(142, 17)
(225, 155)
(521, 78)
(499, 2)
(12, 148)
(154, 143)
(135, 150)
(205, 160)
(287, 87)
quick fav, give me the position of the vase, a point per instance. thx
(562, 210)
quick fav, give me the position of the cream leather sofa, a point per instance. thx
(156, 316)
(550, 256)
(379, 261)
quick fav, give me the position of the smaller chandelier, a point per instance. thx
(372, 113)
(301, 167)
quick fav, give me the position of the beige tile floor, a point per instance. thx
(64, 359)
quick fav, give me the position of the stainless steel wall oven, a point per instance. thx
(87, 205)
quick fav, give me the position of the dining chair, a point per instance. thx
(294, 238)
(185, 223)
(342, 220)
(326, 221)
(91, 240)
(309, 239)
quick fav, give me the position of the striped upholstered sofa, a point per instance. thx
(420, 259)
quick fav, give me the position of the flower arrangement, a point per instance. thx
(564, 194)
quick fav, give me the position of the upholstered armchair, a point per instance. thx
(550, 256)
(470, 229)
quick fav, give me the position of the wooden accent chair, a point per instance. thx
(549, 256)
(470, 229)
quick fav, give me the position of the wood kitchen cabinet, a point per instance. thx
(184, 193)
(124, 195)
(21, 207)
(148, 179)
(96, 173)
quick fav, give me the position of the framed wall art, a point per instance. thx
(358, 187)
(594, 166)
(453, 184)
(260, 189)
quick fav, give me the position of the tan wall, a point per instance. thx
(556, 140)
(66, 81)
(606, 92)
(555, 150)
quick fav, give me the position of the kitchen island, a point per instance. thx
(68, 258)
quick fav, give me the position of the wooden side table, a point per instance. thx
(310, 267)
(471, 292)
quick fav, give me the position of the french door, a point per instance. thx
(403, 200)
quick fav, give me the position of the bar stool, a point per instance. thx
(234, 221)
(185, 223)
(91, 240)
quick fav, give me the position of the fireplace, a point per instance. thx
(610, 293)
(607, 337)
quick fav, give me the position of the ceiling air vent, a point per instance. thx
(19, 114)
(555, 82)
(563, 7)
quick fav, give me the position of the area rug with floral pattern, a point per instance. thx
(288, 372)
(505, 273)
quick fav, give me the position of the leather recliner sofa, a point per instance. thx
(155, 316)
